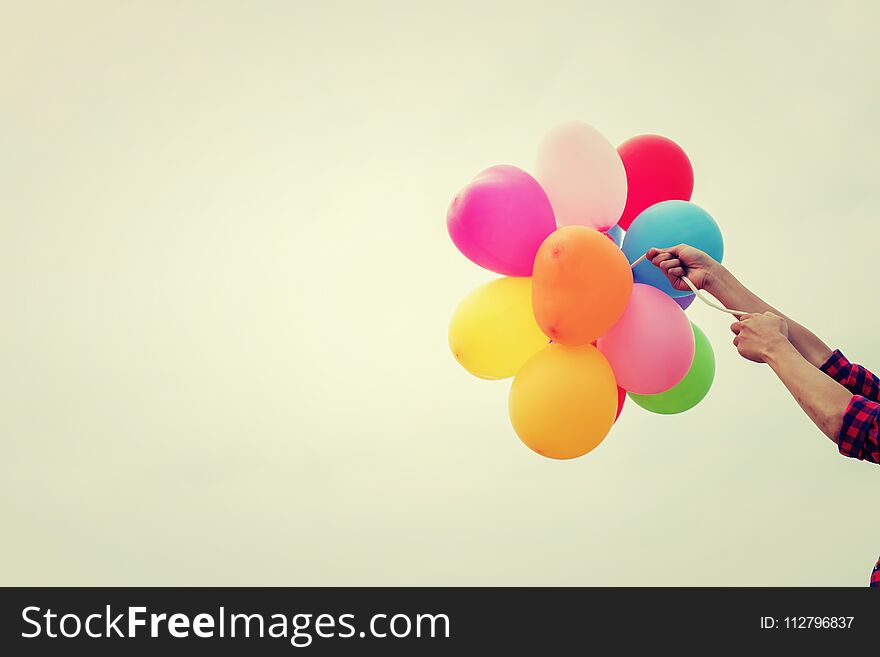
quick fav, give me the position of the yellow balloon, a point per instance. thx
(563, 401)
(493, 331)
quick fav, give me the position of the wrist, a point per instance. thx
(718, 279)
(777, 350)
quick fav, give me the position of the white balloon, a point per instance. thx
(583, 176)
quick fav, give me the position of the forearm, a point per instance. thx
(823, 399)
(725, 287)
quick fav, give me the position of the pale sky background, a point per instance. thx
(226, 281)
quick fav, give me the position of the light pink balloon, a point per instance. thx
(500, 219)
(583, 175)
(651, 347)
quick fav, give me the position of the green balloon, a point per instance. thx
(691, 389)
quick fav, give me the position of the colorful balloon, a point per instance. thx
(691, 390)
(616, 234)
(621, 397)
(493, 331)
(562, 401)
(500, 219)
(651, 347)
(583, 176)
(581, 285)
(685, 301)
(667, 224)
(657, 169)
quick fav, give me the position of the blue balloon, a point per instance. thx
(668, 224)
(616, 233)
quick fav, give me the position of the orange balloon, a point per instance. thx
(563, 401)
(580, 285)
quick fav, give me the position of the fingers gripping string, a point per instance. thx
(700, 294)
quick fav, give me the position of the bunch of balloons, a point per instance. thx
(576, 325)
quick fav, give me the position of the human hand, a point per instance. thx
(684, 260)
(757, 335)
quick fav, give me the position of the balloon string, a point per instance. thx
(700, 295)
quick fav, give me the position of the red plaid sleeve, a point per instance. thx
(854, 378)
(859, 434)
(875, 576)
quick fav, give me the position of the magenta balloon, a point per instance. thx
(685, 301)
(651, 347)
(500, 219)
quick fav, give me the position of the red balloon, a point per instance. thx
(657, 169)
(621, 397)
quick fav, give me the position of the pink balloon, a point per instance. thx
(651, 347)
(500, 219)
(583, 175)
